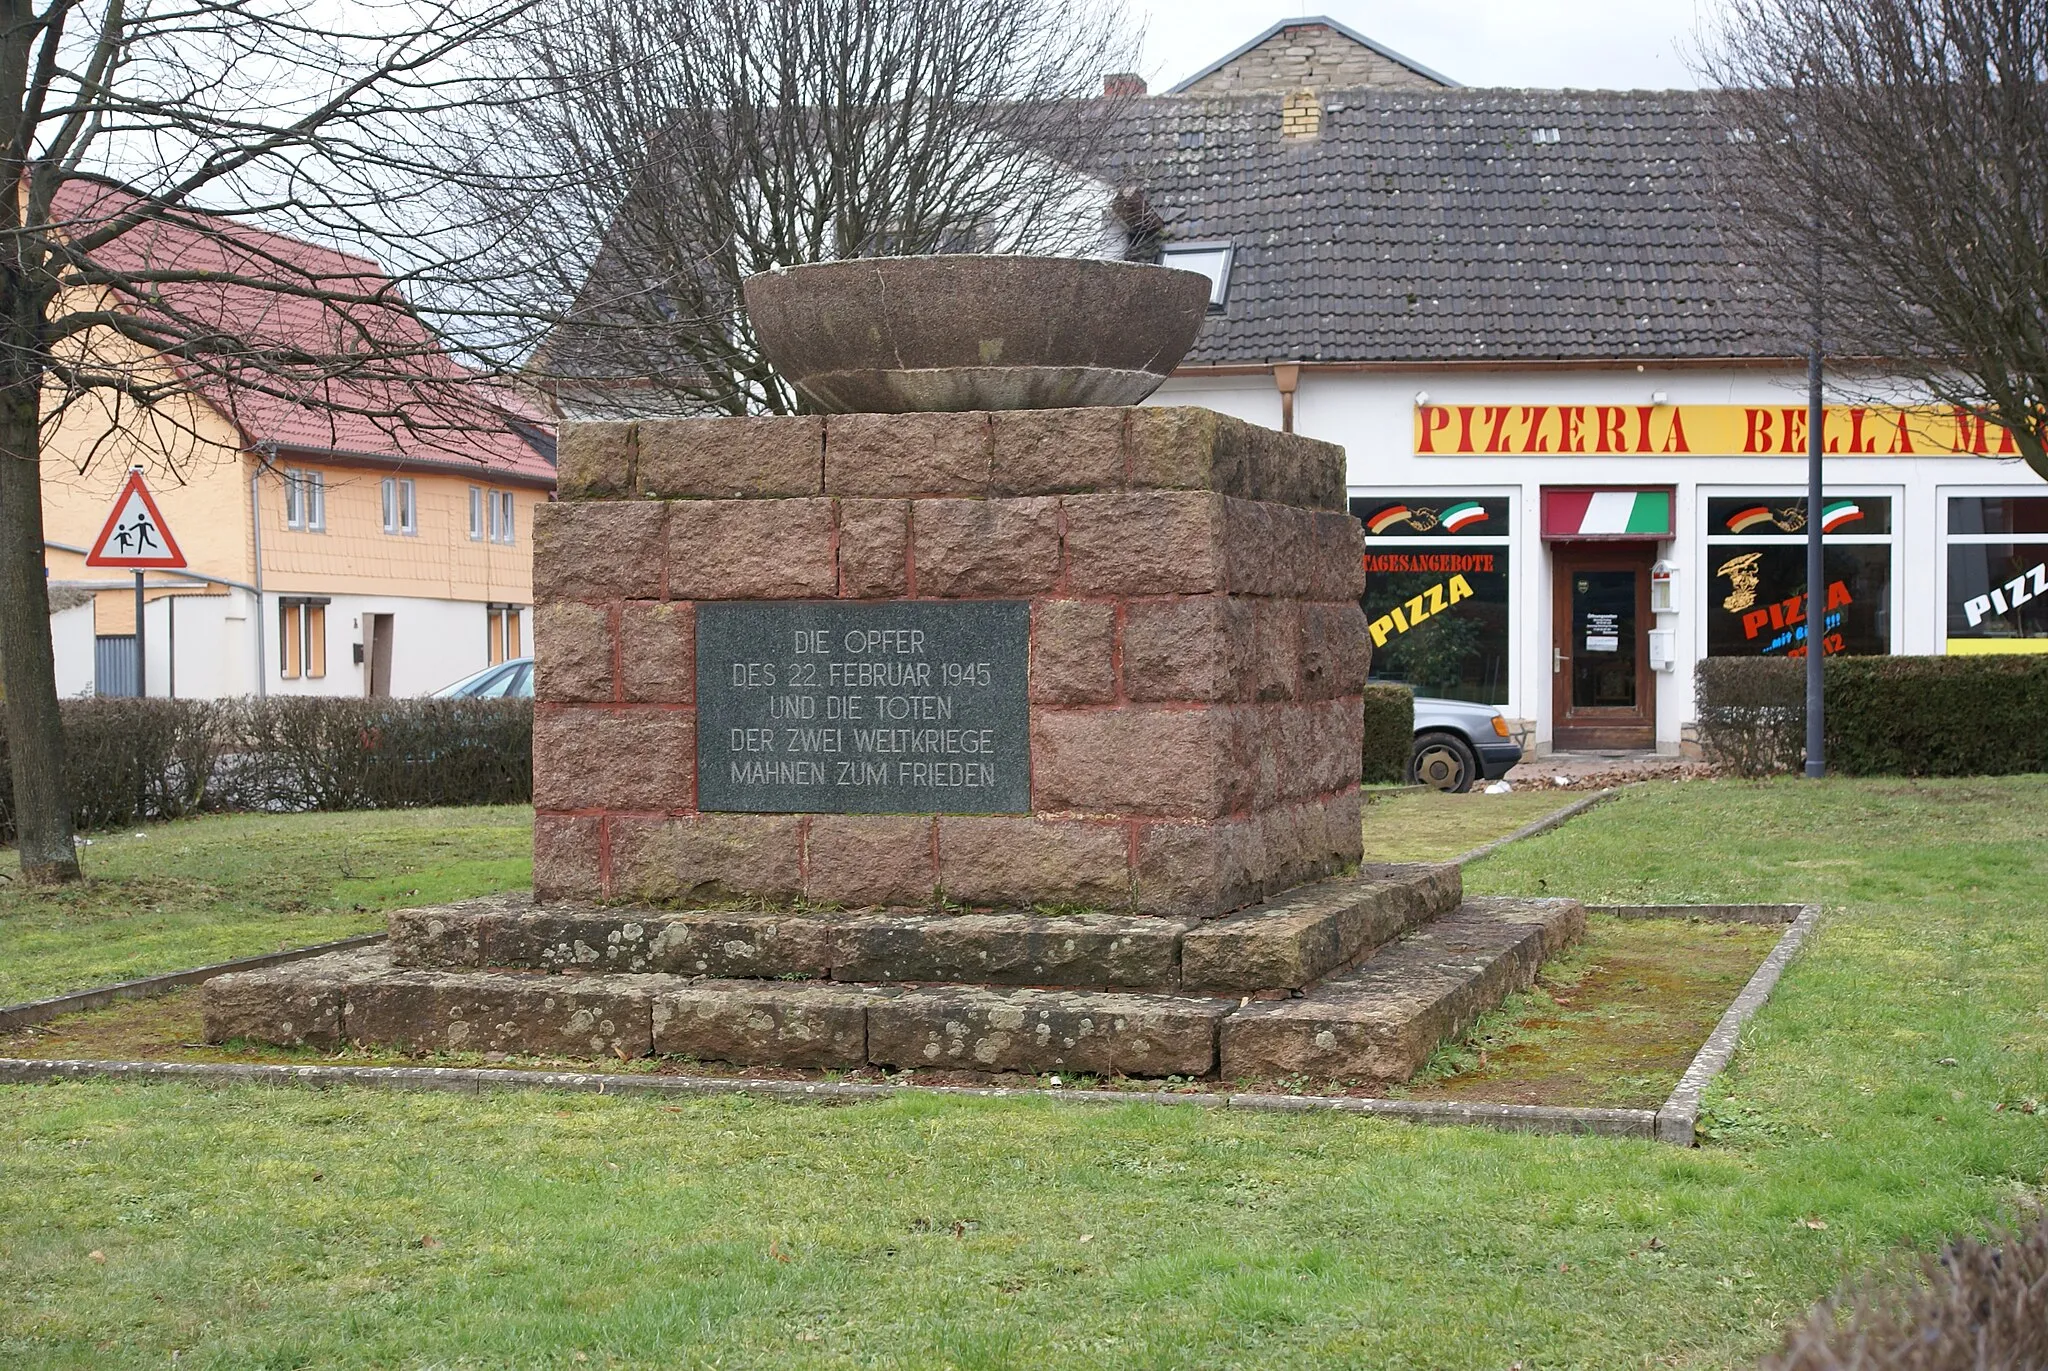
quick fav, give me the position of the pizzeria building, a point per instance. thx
(1576, 427)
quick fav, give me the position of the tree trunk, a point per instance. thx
(35, 737)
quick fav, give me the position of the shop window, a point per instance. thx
(1756, 575)
(1437, 593)
(401, 511)
(1997, 573)
(503, 636)
(305, 500)
(302, 639)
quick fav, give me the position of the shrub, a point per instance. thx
(1389, 734)
(1886, 716)
(1752, 713)
(129, 760)
(1977, 1307)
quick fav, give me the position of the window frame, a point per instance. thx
(1219, 284)
(305, 500)
(476, 514)
(401, 506)
(302, 637)
(1704, 495)
(1945, 539)
(1510, 543)
(503, 511)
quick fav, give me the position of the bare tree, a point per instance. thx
(1893, 156)
(691, 144)
(148, 145)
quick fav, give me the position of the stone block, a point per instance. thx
(484, 1011)
(437, 937)
(1197, 648)
(1268, 549)
(572, 652)
(1058, 451)
(1009, 949)
(1199, 870)
(752, 550)
(1276, 658)
(657, 653)
(1163, 761)
(594, 460)
(765, 1025)
(874, 548)
(1340, 557)
(871, 859)
(1299, 937)
(756, 457)
(568, 860)
(603, 550)
(907, 454)
(613, 939)
(592, 757)
(705, 857)
(1004, 860)
(1073, 647)
(1184, 447)
(1163, 542)
(1103, 1033)
(1335, 648)
(298, 1004)
(1007, 547)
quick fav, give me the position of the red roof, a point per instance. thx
(306, 347)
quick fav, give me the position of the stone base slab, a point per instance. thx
(1380, 1022)
(1377, 1022)
(1284, 944)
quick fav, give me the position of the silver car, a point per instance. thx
(1457, 743)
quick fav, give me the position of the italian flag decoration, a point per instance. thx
(1606, 513)
(1835, 513)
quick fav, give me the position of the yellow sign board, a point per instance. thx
(1702, 431)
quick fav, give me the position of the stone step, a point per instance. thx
(1284, 944)
(1377, 1024)
(362, 998)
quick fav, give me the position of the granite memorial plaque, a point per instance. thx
(905, 707)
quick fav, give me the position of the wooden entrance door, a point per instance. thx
(1602, 692)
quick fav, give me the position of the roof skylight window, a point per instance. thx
(1211, 258)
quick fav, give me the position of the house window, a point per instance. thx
(305, 500)
(302, 639)
(501, 516)
(503, 641)
(1756, 575)
(401, 514)
(1997, 598)
(476, 514)
(1212, 259)
(1437, 592)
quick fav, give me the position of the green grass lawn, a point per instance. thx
(1433, 826)
(254, 1228)
(171, 896)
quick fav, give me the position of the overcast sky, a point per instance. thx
(1615, 44)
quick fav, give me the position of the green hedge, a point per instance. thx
(1389, 735)
(1886, 716)
(130, 760)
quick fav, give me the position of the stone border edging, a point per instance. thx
(1542, 825)
(19, 1016)
(1522, 1118)
(1678, 1117)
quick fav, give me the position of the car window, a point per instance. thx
(521, 687)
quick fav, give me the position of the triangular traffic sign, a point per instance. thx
(136, 534)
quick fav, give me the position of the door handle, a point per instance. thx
(1556, 661)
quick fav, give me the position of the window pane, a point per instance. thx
(390, 493)
(316, 642)
(294, 502)
(1768, 516)
(316, 499)
(288, 644)
(2024, 514)
(1432, 516)
(1756, 600)
(1212, 262)
(1439, 619)
(1997, 590)
(476, 512)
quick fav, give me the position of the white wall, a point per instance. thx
(1371, 414)
(71, 636)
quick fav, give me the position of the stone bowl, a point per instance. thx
(891, 335)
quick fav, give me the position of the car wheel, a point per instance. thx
(1443, 761)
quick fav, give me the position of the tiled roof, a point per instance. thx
(1448, 225)
(455, 420)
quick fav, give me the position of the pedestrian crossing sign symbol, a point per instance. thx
(135, 534)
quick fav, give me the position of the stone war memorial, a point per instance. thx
(982, 720)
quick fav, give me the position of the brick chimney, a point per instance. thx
(1123, 85)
